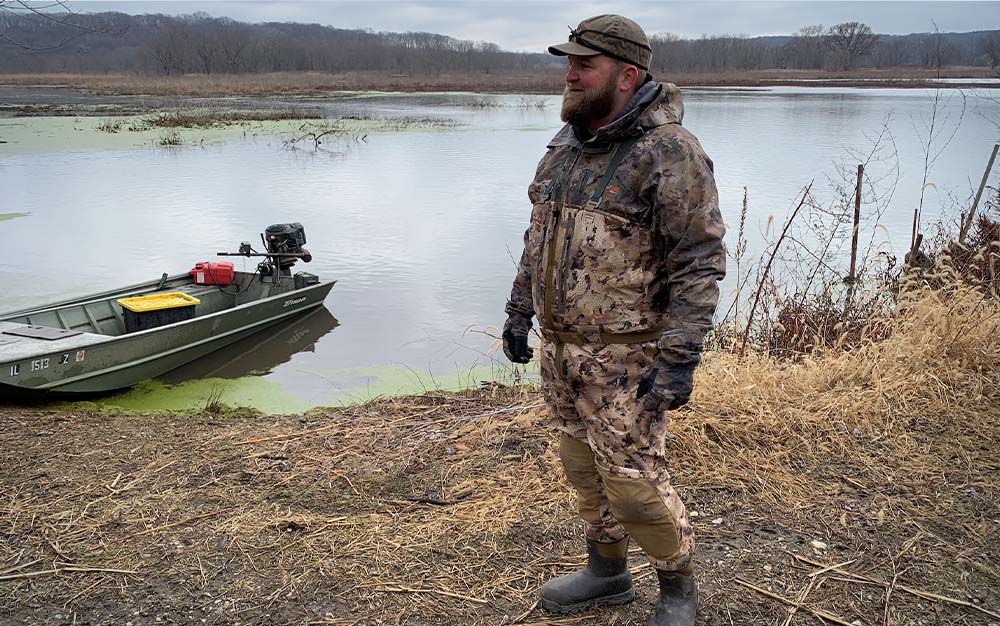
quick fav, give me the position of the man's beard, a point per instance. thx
(580, 108)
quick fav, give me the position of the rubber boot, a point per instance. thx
(678, 601)
(605, 580)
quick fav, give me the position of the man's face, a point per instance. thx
(591, 84)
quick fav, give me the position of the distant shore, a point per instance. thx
(316, 83)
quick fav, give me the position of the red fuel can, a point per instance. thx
(212, 273)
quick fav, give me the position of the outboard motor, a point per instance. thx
(282, 239)
(283, 246)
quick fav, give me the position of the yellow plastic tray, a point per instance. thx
(156, 302)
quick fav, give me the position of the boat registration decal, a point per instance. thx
(15, 369)
(289, 303)
(80, 355)
(39, 364)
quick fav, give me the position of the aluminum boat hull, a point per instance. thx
(95, 354)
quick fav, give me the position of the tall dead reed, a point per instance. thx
(803, 296)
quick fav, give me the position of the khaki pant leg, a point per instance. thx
(653, 514)
(592, 501)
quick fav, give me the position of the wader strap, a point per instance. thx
(616, 160)
(579, 339)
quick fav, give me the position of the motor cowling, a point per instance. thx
(286, 239)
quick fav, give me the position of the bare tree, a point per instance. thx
(490, 54)
(71, 24)
(808, 49)
(849, 41)
(989, 47)
(935, 51)
(895, 52)
(233, 44)
(172, 49)
(203, 41)
(668, 52)
(206, 51)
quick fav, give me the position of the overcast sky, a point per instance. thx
(532, 25)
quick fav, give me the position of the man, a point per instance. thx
(621, 262)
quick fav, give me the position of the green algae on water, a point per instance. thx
(353, 385)
(40, 135)
(254, 394)
(208, 393)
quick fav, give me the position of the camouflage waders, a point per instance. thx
(613, 451)
(620, 266)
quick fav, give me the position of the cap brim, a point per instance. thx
(572, 48)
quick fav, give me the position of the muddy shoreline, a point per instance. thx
(451, 509)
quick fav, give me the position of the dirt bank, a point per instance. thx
(863, 485)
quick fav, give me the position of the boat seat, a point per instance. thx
(16, 347)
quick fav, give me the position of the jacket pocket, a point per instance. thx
(608, 270)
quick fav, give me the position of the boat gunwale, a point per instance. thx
(87, 299)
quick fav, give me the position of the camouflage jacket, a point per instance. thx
(631, 257)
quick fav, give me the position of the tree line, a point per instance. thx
(849, 45)
(198, 43)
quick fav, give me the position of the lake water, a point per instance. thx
(419, 228)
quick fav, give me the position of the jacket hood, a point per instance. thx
(654, 104)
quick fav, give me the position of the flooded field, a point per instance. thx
(415, 205)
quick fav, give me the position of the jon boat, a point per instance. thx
(95, 343)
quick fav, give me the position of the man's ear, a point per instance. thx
(629, 78)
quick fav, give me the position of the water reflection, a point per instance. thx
(260, 353)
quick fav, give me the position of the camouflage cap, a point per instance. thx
(612, 35)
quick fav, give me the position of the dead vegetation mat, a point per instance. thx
(850, 488)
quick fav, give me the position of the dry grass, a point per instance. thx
(451, 508)
(208, 118)
(535, 82)
(170, 139)
(935, 369)
(290, 83)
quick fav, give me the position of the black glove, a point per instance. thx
(515, 338)
(666, 388)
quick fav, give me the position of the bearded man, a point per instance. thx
(620, 265)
